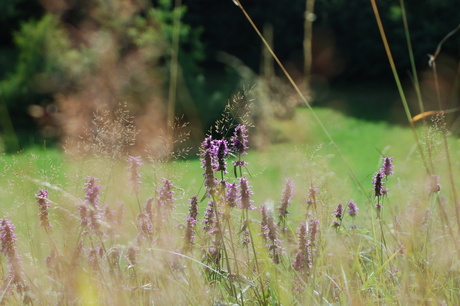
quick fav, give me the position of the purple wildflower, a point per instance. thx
(387, 167)
(83, 215)
(379, 185)
(269, 232)
(166, 193)
(338, 212)
(246, 192)
(135, 162)
(89, 210)
(209, 161)
(191, 221)
(313, 231)
(311, 200)
(209, 221)
(8, 240)
(221, 152)
(148, 208)
(285, 202)
(239, 145)
(300, 258)
(246, 240)
(264, 221)
(132, 255)
(240, 139)
(92, 191)
(306, 233)
(352, 209)
(336, 224)
(43, 204)
(232, 194)
(144, 224)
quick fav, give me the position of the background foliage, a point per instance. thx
(51, 48)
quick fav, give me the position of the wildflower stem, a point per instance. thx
(256, 260)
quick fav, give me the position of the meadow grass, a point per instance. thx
(338, 211)
(409, 255)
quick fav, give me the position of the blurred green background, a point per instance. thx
(63, 60)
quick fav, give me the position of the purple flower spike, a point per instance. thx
(8, 239)
(379, 189)
(239, 143)
(92, 191)
(43, 204)
(209, 220)
(166, 198)
(240, 140)
(222, 152)
(285, 202)
(208, 155)
(191, 221)
(387, 167)
(311, 200)
(246, 192)
(300, 258)
(338, 212)
(352, 209)
(232, 194)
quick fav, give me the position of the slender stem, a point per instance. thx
(446, 146)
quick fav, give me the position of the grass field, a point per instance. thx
(409, 255)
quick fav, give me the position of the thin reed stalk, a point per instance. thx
(398, 83)
(302, 96)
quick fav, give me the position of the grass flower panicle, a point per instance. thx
(44, 205)
(135, 162)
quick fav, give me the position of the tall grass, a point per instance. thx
(305, 227)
